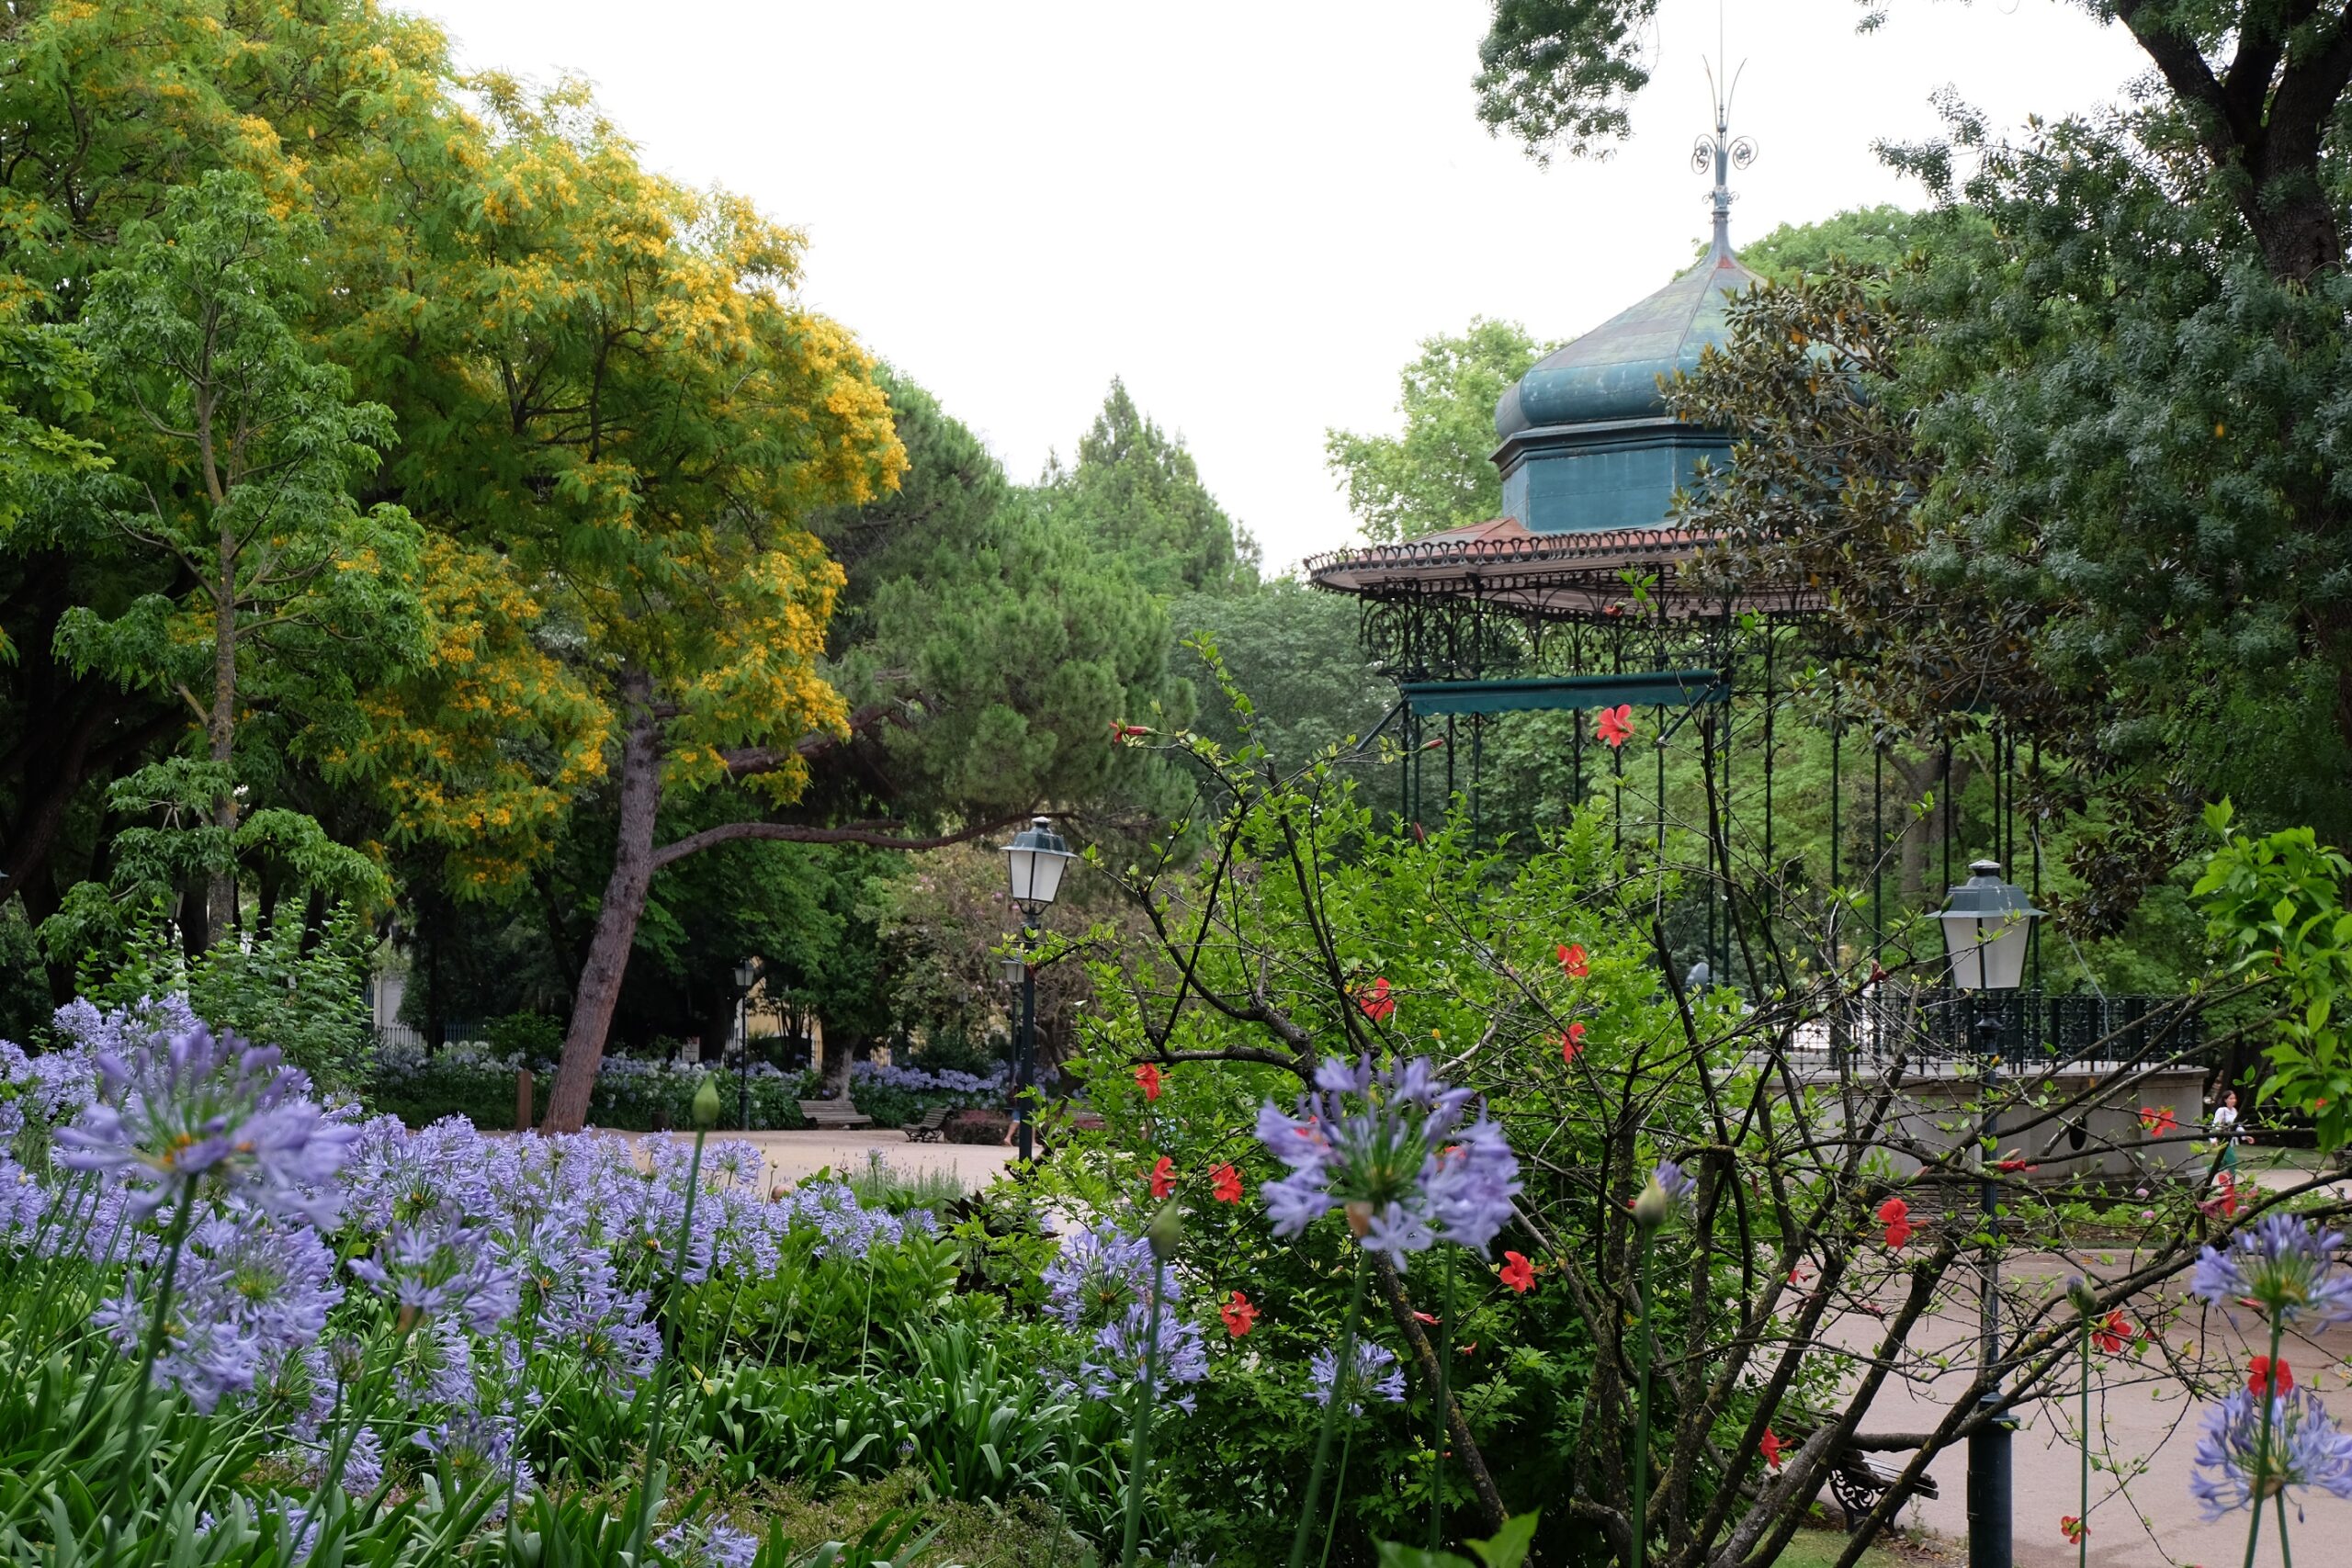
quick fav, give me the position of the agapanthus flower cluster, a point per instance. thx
(250, 1293)
(439, 1265)
(187, 1114)
(2292, 1270)
(1100, 1284)
(2233, 1471)
(1377, 1376)
(474, 1449)
(1391, 1148)
(707, 1543)
(922, 1080)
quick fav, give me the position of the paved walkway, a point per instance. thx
(791, 1157)
(2149, 1520)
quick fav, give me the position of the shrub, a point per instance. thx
(977, 1127)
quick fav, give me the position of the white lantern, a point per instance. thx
(1034, 862)
(1986, 924)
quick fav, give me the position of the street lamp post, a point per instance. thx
(1987, 925)
(745, 973)
(1034, 863)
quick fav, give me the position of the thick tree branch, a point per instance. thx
(874, 835)
(748, 759)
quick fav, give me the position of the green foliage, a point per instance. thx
(1561, 73)
(1506, 1548)
(299, 987)
(1868, 239)
(1136, 490)
(1293, 648)
(1437, 473)
(2276, 905)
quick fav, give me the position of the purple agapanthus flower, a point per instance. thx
(1377, 1376)
(476, 1449)
(707, 1543)
(249, 1294)
(1674, 1181)
(1101, 1284)
(187, 1113)
(2292, 1269)
(1391, 1149)
(2305, 1450)
(441, 1265)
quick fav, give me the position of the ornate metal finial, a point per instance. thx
(1727, 153)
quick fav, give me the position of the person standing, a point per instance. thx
(2224, 1125)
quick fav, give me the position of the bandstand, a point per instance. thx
(1586, 598)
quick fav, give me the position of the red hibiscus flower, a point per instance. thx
(1771, 1447)
(2073, 1529)
(1572, 1042)
(1163, 1177)
(2012, 1163)
(2158, 1121)
(1376, 1004)
(1895, 1215)
(2224, 1203)
(2111, 1333)
(1572, 960)
(1616, 726)
(1225, 1184)
(2262, 1371)
(1238, 1315)
(1518, 1272)
(1147, 1080)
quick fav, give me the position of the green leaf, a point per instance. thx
(1507, 1547)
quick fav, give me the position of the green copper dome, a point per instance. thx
(1611, 372)
(1587, 444)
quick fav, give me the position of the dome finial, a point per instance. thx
(1722, 149)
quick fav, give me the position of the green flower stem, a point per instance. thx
(134, 1443)
(656, 1461)
(1444, 1396)
(2082, 1519)
(1638, 1521)
(1338, 1492)
(2263, 1461)
(1341, 1380)
(1138, 1448)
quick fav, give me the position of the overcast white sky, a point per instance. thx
(1252, 211)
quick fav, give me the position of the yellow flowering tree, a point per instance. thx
(609, 397)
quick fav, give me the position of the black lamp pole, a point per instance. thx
(744, 975)
(1990, 1483)
(1024, 1054)
(1988, 927)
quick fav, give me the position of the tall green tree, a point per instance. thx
(1137, 490)
(1438, 472)
(236, 448)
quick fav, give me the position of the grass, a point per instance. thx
(1821, 1548)
(882, 1186)
(1025, 1533)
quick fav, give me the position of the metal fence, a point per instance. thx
(2036, 1029)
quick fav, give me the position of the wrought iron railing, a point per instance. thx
(2034, 1029)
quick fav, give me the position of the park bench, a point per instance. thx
(1857, 1480)
(833, 1113)
(927, 1130)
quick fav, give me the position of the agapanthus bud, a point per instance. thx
(1166, 1229)
(707, 1105)
(1669, 1185)
(2079, 1292)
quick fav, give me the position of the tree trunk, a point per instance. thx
(220, 898)
(842, 1048)
(600, 978)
